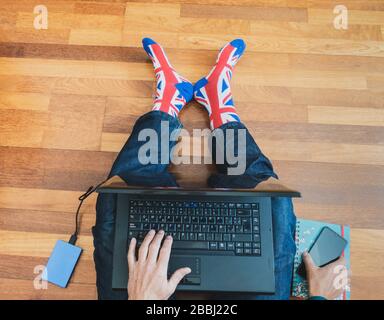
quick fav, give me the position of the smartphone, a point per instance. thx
(327, 248)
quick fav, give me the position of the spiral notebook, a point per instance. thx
(306, 233)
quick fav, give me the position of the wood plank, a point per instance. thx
(112, 142)
(375, 83)
(337, 97)
(72, 52)
(366, 262)
(26, 84)
(287, 45)
(148, 23)
(354, 64)
(31, 35)
(162, 9)
(43, 169)
(108, 37)
(103, 87)
(324, 152)
(102, 8)
(22, 127)
(326, 16)
(28, 5)
(44, 221)
(24, 101)
(252, 13)
(314, 31)
(346, 116)
(75, 122)
(356, 216)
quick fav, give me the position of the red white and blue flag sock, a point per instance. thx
(214, 90)
(173, 91)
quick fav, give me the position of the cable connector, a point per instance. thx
(73, 239)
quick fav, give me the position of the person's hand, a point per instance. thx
(329, 281)
(148, 274)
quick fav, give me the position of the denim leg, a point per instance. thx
(257, 169)
(130, 169)
(284, 225)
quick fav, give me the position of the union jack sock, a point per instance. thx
(172, 90)
(214, 90)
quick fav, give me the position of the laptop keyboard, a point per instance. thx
(224, 227)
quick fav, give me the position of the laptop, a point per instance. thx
(224, 235)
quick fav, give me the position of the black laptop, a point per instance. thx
(223, 235)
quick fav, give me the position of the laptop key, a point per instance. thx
(135, 226)
(198, 245)
(239, 251)
(244, 237)
(132, 234)
(218, 237)
(243, 212)
(226, 237)
(134, 218)
(213, 245)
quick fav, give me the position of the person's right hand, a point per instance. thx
(148, 274)
(328, 281)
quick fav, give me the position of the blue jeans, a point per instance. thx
(127, 166)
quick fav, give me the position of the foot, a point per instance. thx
(173, 91)
(214, 90)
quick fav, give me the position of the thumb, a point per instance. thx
(309, 264)
(177, 276)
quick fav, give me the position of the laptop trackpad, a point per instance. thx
(177, 262)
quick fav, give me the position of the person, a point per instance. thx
(148, 273)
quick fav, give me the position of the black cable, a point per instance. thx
(91, 189)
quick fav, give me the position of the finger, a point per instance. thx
(143, 251)
(131, 255)
(165, 253)
(155, 247)
(309, 264)
(177, 276)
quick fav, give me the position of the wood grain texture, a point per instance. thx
(312, 97)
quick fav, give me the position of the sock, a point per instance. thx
(214, 90)
(172, 90)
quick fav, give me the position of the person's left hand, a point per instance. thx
(148, 274)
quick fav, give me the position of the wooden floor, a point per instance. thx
(312, 96)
